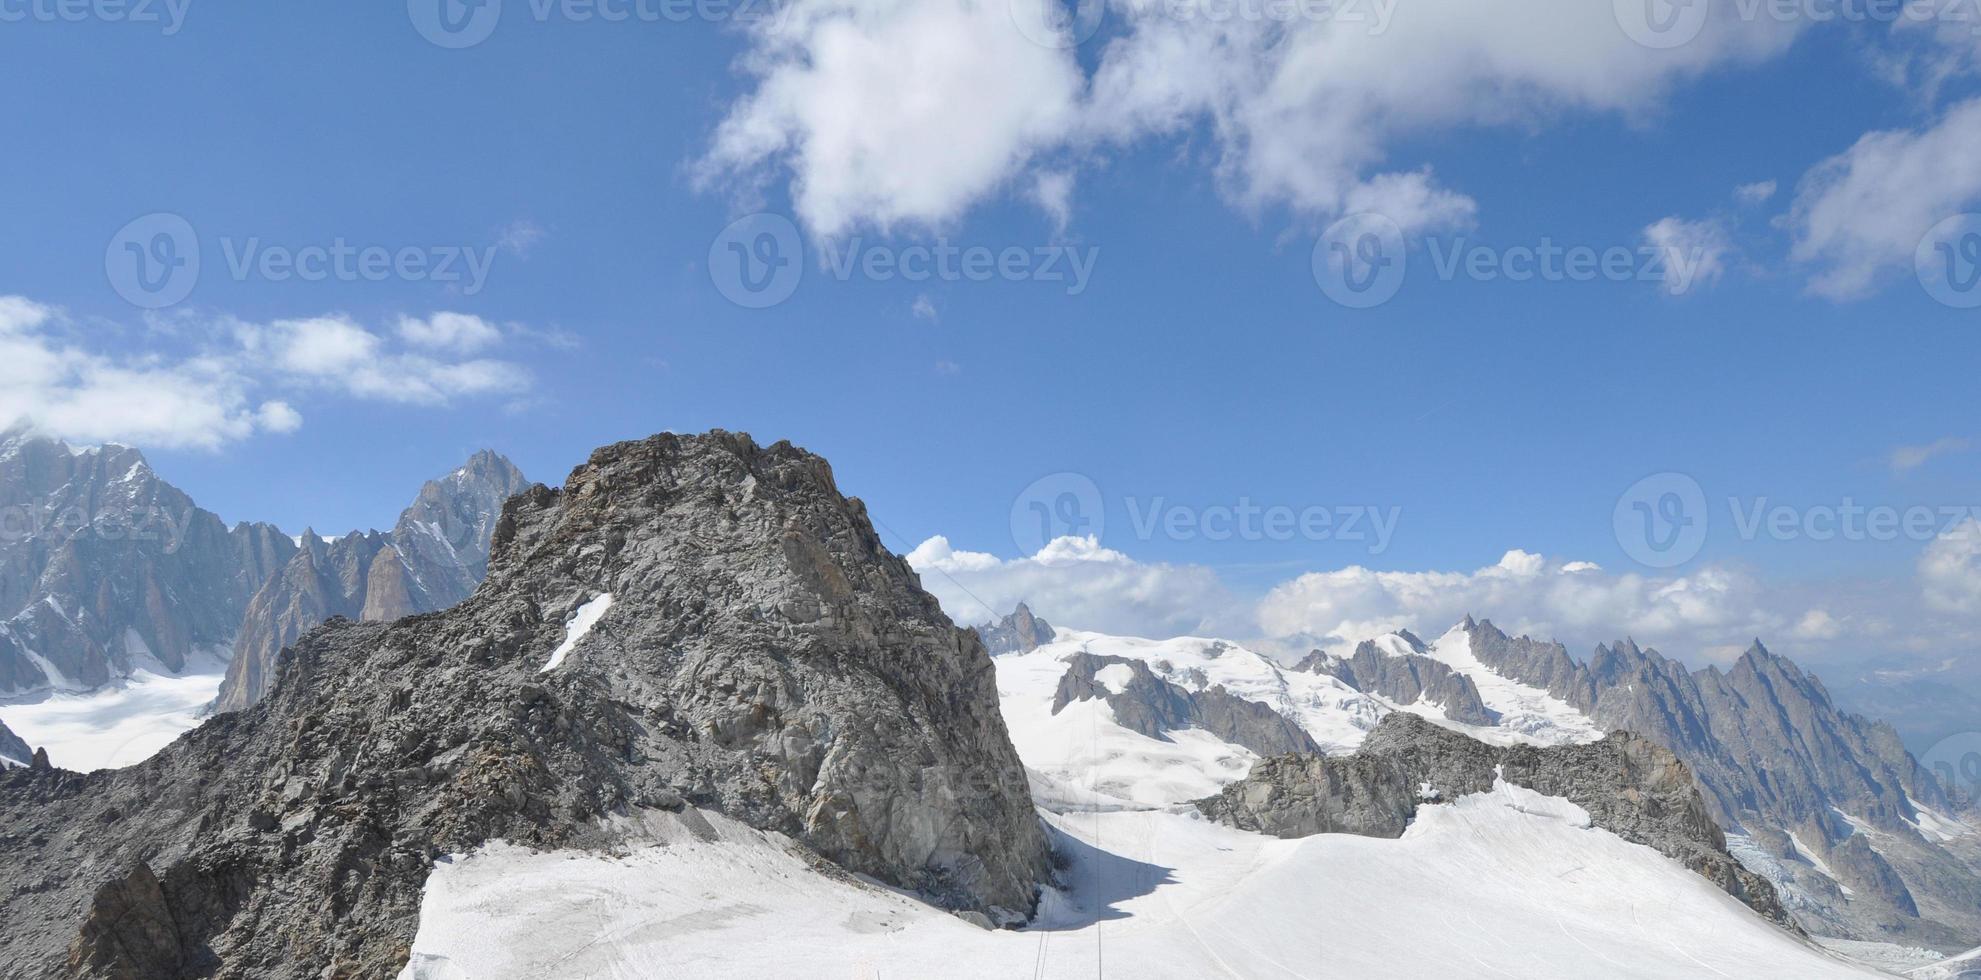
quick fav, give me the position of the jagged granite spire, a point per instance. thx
(762, 655)
(433, 558)
(1020, 632)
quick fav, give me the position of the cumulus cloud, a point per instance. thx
(1576, 602)
(449, 331)
(895, 111)
(891, 112)
(233, 383)
(1859, 216)
(1078, 583)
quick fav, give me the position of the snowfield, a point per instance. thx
(118, 726)
(1502, 884)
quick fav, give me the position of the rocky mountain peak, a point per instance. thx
(106, 568)
(1020, 632)
(760, 655)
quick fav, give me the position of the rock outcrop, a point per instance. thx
(105, 568)
(1151, 706)
(1406, 680)
(13, 749)
(761, 655)
(1020, 632)
(432, 559)
(1629, 785)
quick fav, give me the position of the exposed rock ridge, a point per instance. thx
(763, 656)
(1406, 680)
(1020, 632)
(1154, 707)
(1630, 786)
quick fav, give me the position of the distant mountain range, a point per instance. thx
(106, 569)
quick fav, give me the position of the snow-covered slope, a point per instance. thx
(1506, 883)
(1502, 884)
(1962, 967)
(1083, 747)
(1527, 714)
(120, 725)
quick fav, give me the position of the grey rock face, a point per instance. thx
(433, 558)
(1154, 707)
(1773, 753)
(1020, 632)
(763, 656)
(13, 749)
(1630, 786)
(1406, 680)
(104, 567)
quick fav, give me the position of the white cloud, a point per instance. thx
(1758, 192)
(894, 111)
(1523, 593)
(449, 331)
(1950, 570)
(279, 417)
(1859, 217)
(1908, 458)
(1077, 583)
(923, 308)
(889, 112)
(1052, 191)
(67, 380)
(1692, 253)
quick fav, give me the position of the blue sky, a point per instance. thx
(1201, 365)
